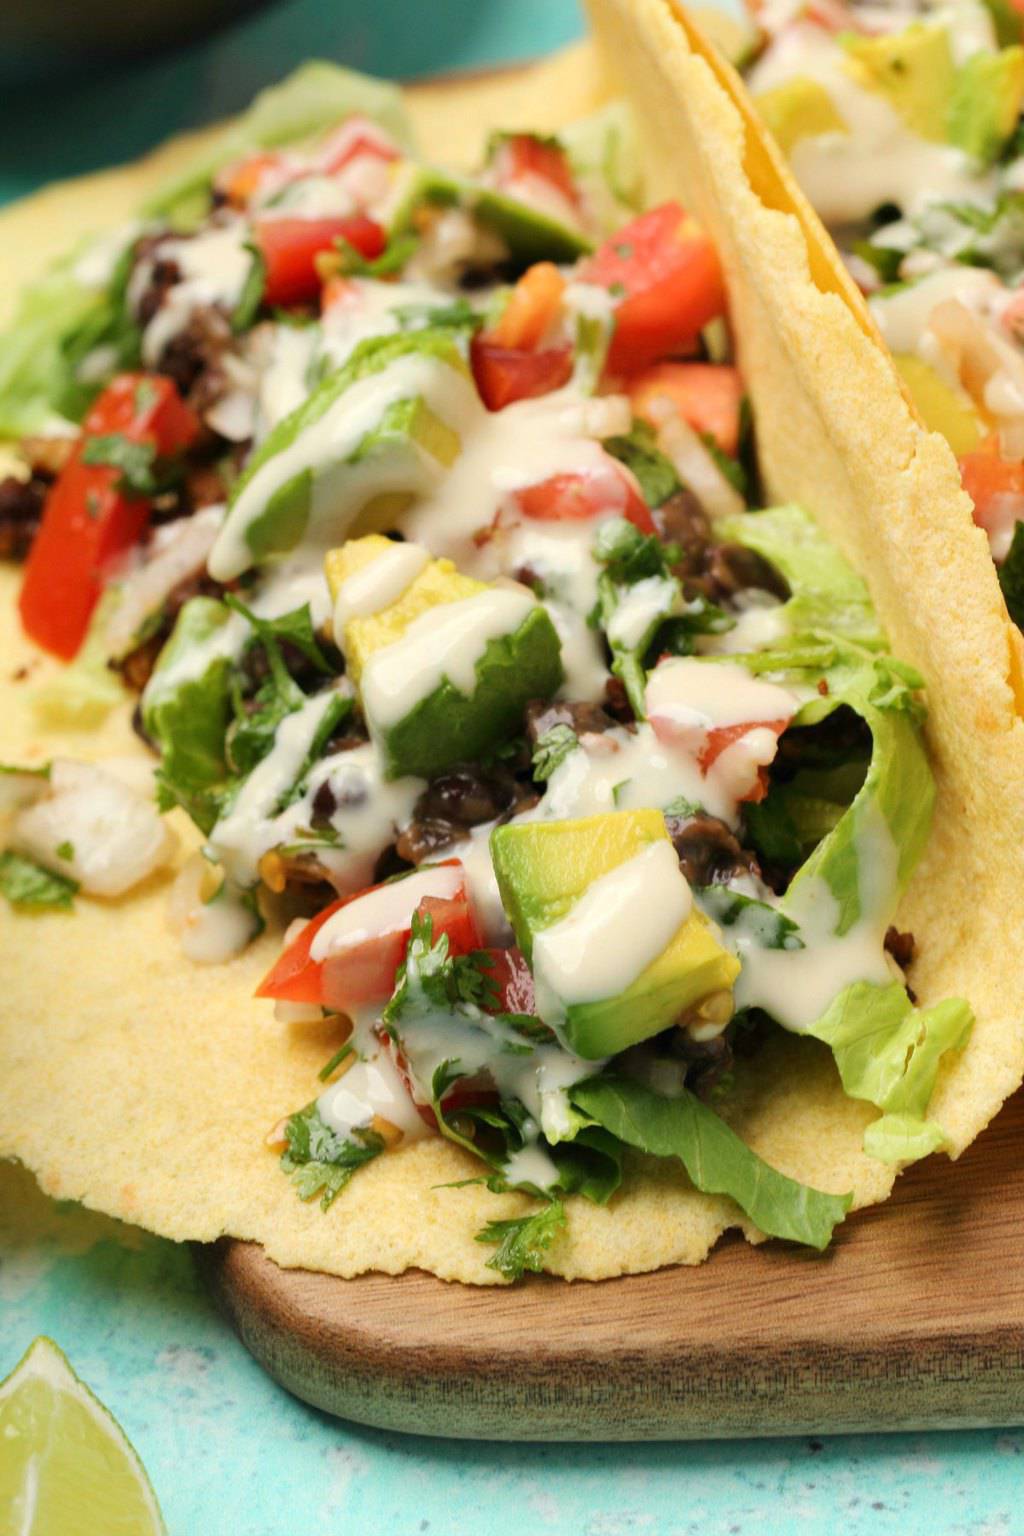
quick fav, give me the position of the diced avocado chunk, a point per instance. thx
(986, 102)
(914, 69)
(943, 408)
(270, 509)
(496, 670)
(799, 109)
(544, 868)
(529, 234)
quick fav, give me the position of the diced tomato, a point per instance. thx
(508, 360)
(506, 374)
(706, 395)
(665, 276)
(240, 181)
(358, 136)
(996, 486)
(511, 976)
(523, 154)
(364, 972)
(575, 497)
(88, 519)
(722, 737)
(289, 248)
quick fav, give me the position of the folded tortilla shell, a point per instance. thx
(144, 1086)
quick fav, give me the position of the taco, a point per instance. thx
(480, 793)
(903, 129)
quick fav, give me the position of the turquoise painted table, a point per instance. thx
(229, 1453)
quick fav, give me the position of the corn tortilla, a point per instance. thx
(143, 1086)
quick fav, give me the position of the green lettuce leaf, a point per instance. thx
(888, 1052)
(716, 1160)
(826, 592)
(307, 103)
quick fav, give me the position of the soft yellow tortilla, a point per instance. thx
(143, 1086)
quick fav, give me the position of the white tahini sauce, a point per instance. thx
(385, 910)
(378, 584)
(619, 926)
(446, 642)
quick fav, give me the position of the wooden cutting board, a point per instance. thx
(914, 1319)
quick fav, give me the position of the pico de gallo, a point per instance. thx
(413, 514)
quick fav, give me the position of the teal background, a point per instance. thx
(229, 1453)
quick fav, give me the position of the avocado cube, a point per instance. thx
(986, 102)
(445, 665)
(800, 108)
(913, 69)
(604, 916)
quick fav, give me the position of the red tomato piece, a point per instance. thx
(706, 395)
(506, 374)
(665, 275)
(364, 972)
(722, 737)
(575, 497)
(289, 248)
(358, 136)
(510, 973)
(996, 486)
(88, 519)
(522, 154)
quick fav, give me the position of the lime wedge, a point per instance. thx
(66, 1468)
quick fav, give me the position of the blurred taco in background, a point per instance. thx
(480, 791)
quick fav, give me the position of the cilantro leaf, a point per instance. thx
(1011, 577)
(653, 470)
(552, 748)
(319, 1161)
(769, 928)
(629, 555)
(134, 460)
(27, 884)
(523, 1241)
(459, 315)
(399, 250)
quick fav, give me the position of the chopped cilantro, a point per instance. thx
(134, 460)
(65, 850)
(399, 250)
(335, 1061)
(27, 884)
(640, 453)
(319, 1161)
(552, 749)
(524, 1240)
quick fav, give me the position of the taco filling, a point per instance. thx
(902, 124)
(417, 513)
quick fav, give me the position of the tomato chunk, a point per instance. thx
(706, 395)
(510, 974)
(357, 136)
(88, 518)
(996, 486)
(289, 248)
(506, 374)
(664, 274)
(753, 770)
(575, 497)
(374, 945)
(524, 154)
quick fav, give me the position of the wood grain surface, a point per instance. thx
(914, 1319)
